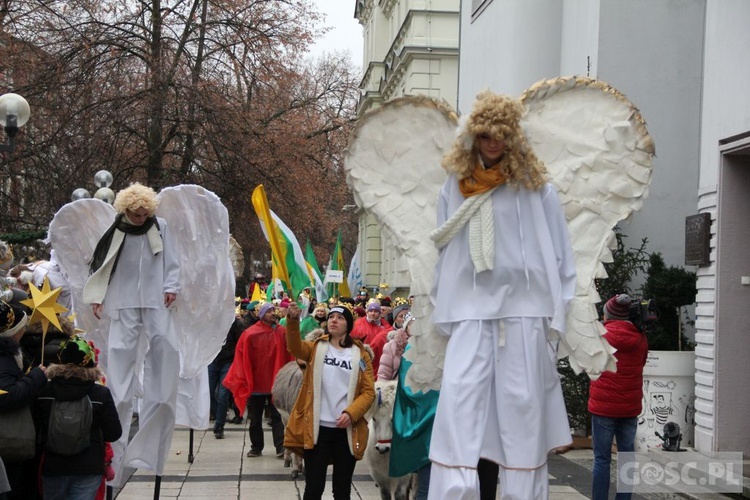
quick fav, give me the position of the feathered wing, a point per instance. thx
(599, 154)
(73, 233)
(393, 167)
(199, 225)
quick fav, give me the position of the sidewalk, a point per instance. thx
(220, 470)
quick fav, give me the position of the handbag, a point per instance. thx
(17, 435)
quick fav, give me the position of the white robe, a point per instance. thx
(134, 299)
(501, 398)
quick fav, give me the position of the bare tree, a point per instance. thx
(213, 92)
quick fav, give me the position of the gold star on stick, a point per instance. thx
(44, 305)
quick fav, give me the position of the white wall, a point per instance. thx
(726, 95)
(652, 52)
(580, 38)
(511, 45)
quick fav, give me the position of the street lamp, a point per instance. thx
(14, 113)
(102, 179)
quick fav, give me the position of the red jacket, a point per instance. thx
(260, 354)
(365, 331)
(620, 394)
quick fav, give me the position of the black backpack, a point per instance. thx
(69, 429)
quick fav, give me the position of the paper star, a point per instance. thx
(44, 305)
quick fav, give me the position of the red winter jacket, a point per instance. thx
(620, 394)
(260, 354)
(365, 331)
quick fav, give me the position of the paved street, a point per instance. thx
(220, 470)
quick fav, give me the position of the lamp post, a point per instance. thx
(103, 180)
(14, 113)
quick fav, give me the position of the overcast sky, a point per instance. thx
(346, 33)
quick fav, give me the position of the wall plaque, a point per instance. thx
(698, 240)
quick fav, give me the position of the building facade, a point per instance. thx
(410, 48)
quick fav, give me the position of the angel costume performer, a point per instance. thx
(135, 279)
(503, 280)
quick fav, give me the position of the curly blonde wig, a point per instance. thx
(498, 116)
(136, 196)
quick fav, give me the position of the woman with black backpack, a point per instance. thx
(75, 417)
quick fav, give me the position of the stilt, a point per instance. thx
(157, 487)
(110, 492)
(190, 450)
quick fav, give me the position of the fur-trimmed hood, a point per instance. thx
(72, 371)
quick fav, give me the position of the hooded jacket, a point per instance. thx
(304, 420)
(620, 394)
(261, 352)
(68, 383)
(21, 389)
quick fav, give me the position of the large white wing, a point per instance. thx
(73, 233)
(599, 153)
(393, 167)
(199, 225)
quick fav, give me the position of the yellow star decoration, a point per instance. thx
(45, 306)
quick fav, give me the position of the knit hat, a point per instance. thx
(373, 306)
(12, 320)
(78, 352)
(618, 307)
(267, 306)
(346, 312)
(385, 301)
(250, 306)
(399, 308)
(284, 304)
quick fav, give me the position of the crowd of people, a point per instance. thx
(497, 295)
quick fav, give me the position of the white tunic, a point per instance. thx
(141, 278)
(501, 397)
(534, 271)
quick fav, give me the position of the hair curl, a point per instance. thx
(136, 196)
(500, 117)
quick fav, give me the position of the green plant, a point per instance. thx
(672, 288)
(626, 264)
(576, 395)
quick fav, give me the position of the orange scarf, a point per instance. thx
(481, 180)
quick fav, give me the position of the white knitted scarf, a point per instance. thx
(477, 211)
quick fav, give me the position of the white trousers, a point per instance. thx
(149, 448)
(462, 483)
(501, 400)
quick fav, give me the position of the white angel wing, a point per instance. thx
(393, 167)
(599, 153)
(73, 233)
(199, 225)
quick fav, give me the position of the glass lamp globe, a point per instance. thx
(79, 194)
(105, 194)
(103, 179)
(14, 104)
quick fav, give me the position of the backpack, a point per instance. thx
(69, 430)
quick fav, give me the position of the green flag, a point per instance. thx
(337, 263)
(310, 258)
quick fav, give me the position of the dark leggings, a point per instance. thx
(332, 448)
(487, 472)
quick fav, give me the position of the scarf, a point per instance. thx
(123, 225)
(107, 253)
(481, 180)
(477, 211)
